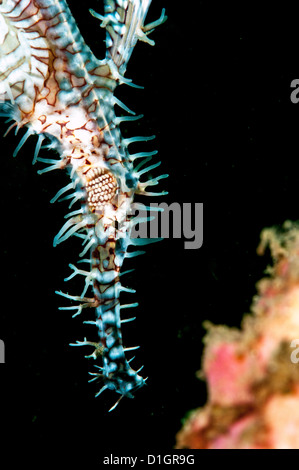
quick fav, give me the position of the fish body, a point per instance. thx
(51, 83)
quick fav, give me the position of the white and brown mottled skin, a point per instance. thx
(52, 83)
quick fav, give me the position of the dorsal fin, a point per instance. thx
(124, 23)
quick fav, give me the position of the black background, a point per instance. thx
(217, 96)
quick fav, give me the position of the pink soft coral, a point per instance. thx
(252, 380)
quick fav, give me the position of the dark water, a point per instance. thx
(217, 95)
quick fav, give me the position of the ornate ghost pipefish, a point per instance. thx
(51, 83)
